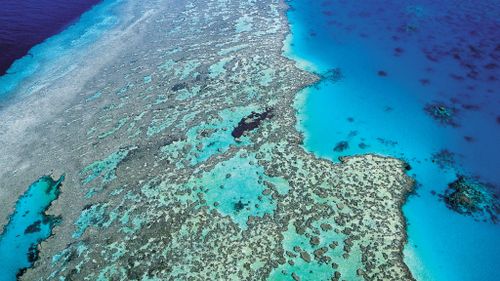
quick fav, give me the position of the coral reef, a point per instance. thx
(446, 115)
(444, 159)
(468, 196)
(177, 171)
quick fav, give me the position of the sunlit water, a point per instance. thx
(27, 227)
(386, 62)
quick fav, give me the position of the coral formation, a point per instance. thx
(468, 196)
(446, 115)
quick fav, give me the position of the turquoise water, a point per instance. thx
(27, 227)
(383, 65)
(235, 188)
(46, 55)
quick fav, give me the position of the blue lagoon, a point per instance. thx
(416, 81)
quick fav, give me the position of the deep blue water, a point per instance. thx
(390, 64)
(26, 23)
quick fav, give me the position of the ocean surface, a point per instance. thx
(26, 23)
(386, 65)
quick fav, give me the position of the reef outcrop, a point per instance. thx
(468, 196)
(443, 113)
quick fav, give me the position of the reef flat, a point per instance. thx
(176, 133)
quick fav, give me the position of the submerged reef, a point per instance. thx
(341, 146)
(468, 196)
(188, 166)
(333, 75)
(442, 113)
(444, 159)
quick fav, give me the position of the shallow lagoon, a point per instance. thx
(27, 227)
(385, 76)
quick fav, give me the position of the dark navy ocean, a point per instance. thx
(417, 80)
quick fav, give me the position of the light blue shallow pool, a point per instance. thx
(27, 227)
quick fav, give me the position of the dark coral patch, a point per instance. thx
(425, 82)
(468, 196)
(328, 13)
(444, 159)
(362, 145)
(238, 206)
(251, 122)
(353, 133)
(34, 227)
(457, 77)
(407, 167)
(491, 66)
(431, 57)
(333, 75)
(179, 86)
(469, 139)
(33, 253)
(341, 146)
(386, 142)
(444, 114)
